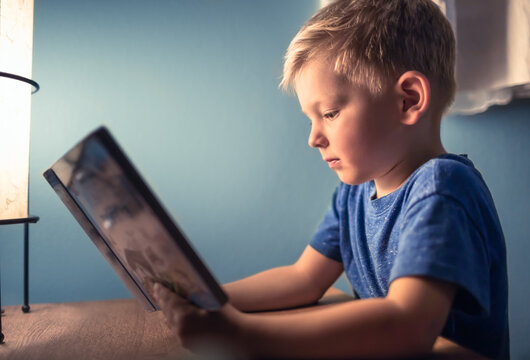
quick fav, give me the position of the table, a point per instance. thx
(119, 330)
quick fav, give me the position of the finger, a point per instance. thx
(165, 295)
(156, 292)
(159, 291)
(173, 306)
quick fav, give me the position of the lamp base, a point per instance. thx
(26, 222)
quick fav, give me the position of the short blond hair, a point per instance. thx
(373, 42)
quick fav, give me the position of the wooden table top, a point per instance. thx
(111, 329)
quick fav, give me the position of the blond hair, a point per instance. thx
(373, 42)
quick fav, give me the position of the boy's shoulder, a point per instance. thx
(449, 175)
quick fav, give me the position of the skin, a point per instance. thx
(383, 139)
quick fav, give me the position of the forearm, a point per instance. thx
(359, 329)
(277, 288)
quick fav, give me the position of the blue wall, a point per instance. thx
(189, 88)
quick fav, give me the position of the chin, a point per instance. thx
(352, 179)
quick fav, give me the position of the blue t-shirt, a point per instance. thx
(440, 223)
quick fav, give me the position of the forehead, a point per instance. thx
(317, 82)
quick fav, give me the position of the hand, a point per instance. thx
(197, 327)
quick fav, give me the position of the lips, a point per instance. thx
(332, 162)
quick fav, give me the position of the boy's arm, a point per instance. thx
(299, 284)
(405, 323)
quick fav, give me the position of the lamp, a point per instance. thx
(16, 46)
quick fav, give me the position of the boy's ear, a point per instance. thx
(414, 91)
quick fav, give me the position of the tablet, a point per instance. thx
(130, 227)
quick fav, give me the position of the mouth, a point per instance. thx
(333, 162)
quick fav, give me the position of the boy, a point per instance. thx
(414, 228)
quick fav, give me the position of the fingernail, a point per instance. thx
(156, 288)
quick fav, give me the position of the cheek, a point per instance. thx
(356, 139)
(378, 130)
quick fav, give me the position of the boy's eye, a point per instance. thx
(330, 115)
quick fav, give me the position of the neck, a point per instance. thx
(411, 160)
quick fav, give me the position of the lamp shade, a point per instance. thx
(16, 47)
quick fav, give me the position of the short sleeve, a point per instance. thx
(439, 239)
(327, 238)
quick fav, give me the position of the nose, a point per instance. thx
(317, 138)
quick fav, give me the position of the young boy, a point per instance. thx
(413, 227)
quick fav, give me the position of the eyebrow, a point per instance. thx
(338, 99)
(315, 105)
(303, 111)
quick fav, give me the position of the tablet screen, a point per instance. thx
(126, 216)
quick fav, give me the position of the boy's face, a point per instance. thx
(359, 136)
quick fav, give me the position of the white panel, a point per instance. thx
(16, 45)
(16, 36)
